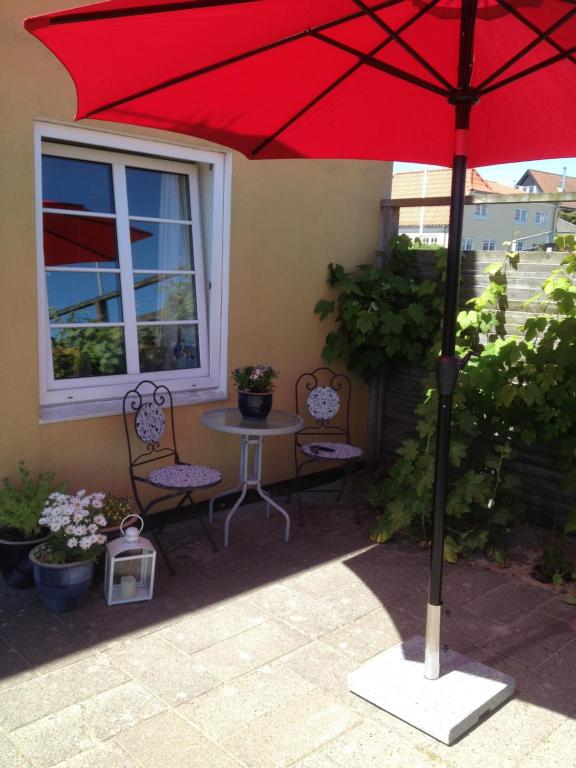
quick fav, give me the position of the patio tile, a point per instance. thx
(258, 575)
(244, 652)
(225, 710)
(10, 757)
(323, 666)
(60, 688)
(370, 744)
(504, 739)
(189, 589)
(371, 634)
(465, 631)
(558, 751)
(306, 613)
(553, 684)
(209, 627)
(14, 668)
(315, 760)
(509, 602)
(168, 740)
(43, 639)
(107, 755)
(238, 555)
(291, 732)
(463, 583)
(528, 642)
(65, 733)
(100, 624)
(161, 668)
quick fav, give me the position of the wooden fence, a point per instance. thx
(540, 485)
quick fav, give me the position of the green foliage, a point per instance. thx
(553, 565)
(519, 389)
(382, 314)
(21, 503)
(255, 378)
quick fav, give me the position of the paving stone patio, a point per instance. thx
(241, 659)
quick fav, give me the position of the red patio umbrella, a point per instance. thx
(448, 82)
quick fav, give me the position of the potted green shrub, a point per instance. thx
(21, 505)
(255, 389)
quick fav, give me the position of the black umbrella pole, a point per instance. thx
(446, 376)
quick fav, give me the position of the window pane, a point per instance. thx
(77, 185)
(157, 194)
(162, 246)
(84, 297)
(164, 297)
(168, 347)
(80, 352)
(85, 241)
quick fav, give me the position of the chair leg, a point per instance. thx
(207, 532)
(162, 551)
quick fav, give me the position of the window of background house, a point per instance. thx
(489, 245)
(467, 244)
(521, 215)
(131, 282)
(481, 211)
(541, 217)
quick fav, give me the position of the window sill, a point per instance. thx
(95, 408)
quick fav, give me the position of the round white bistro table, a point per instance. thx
(252, 431)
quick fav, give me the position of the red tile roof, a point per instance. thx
(437, 184)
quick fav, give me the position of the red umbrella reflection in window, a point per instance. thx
(70, 239)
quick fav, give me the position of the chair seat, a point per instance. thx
(184, 476)
(331, 451)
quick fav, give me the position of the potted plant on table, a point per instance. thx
(21, 505)
(64, 565)
(255, 389)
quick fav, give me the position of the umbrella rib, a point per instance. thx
(531, 70)
(406, 46)
(235, 59)
(542, 35)
(365, 58)
(338, 81)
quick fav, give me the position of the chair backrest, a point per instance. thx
(323, 400)
(149, 423)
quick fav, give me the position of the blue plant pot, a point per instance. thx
(62, 587)
(254, 405)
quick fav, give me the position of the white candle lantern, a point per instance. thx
(130, 565)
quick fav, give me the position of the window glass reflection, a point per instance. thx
(168, 347)
(84, 297)
(84, 241)
(80, 352)
(77, 185)
(164, 246)
(164, 297)
(157, 194)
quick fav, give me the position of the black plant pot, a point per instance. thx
(15, 564)
(254, 405)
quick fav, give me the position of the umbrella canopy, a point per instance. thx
(448, 82)
(329, 78)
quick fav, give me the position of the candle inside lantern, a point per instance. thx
(127, 587)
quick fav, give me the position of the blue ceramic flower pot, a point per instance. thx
(254, 405)
(62, 587)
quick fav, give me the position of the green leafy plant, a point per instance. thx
(21, 503)
(553, 565)
(516, 390)
(115, 509)
(382, 314)
(255, 378)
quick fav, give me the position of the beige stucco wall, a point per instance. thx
(289, 220)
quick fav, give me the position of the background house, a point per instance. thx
(203, 261)
(486, 226)
(533, 181)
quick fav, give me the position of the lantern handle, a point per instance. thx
(130, 517)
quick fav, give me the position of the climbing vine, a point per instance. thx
(519, 389)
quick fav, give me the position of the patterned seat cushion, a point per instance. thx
(185, 476)
(332, 451)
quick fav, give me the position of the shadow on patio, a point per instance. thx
(242, 659)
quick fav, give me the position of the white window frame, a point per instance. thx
(84, 398)
(467, 244)
(481, 211)
(489, 245)
(541, 217)
(521, 215)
